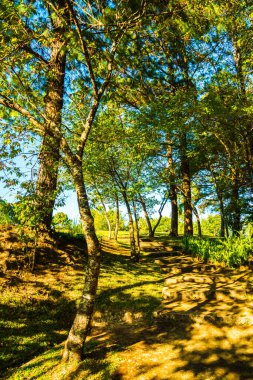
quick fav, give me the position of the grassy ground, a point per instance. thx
(36, 310)
(126, 343)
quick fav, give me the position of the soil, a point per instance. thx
(203, 329)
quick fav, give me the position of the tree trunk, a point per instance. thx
(246, 125)
(195, 210)
(221, 203)
(134, 255)
(137, 231)
(117, 219)
(165, 199)
(173, 190)
(73, 350)
(144, 208)
(186, 189)
(49, 156)
(109, 226)
(227, 230)
(105, 212)
(222, 218)
(235, 203)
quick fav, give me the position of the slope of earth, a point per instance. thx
(36, 309)
(201, 330)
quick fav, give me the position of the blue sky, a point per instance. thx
(71, 205)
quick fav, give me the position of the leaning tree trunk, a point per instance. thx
(186, 189)
(173, 190)
(46, 185)
(160, 212)
(74, 346)
(117, 218)
(105, 212)
(134, 254)
(137, 232)
(195, 210)
(108, 225)
(144, 208)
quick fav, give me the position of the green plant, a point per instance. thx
(232, 251)
(7, 214)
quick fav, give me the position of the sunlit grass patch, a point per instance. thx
(48, 366)
(125, 286)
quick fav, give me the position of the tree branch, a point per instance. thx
(28, 49)
(9, 103)
(84, 49)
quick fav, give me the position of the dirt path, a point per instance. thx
(203, 330)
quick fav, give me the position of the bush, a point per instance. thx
(7, 214)
(231, 251)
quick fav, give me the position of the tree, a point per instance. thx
(60, 219)
(94, 49)
(40, 53)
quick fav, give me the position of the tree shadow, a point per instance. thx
(30, 328)
(202, 344)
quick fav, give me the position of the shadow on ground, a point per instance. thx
(203, 329)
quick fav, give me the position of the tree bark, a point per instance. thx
(117, 218)
(235, 208)
(165, 199)
(105, 212)
(246, 125)
(173, 190)
(144, 208)
(73, 350)
(46, 185)
(195, 210)
(222, 218)
(137, 231)
(134, 254)
(223, 223)
(186, 188)
(109, 226)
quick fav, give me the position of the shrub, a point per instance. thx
(232, 251)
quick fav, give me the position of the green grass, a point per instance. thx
(35, 316)
(232, 251)
(48, 366)
(125, 286)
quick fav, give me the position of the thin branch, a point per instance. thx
(84, 50)
(28, 49)
(9, 103)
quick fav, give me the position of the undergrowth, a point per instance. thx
(233, 251)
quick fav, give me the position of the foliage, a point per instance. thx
(100, 221)
(7, 214)
(61, 220)
(230, 251)
(211, 225)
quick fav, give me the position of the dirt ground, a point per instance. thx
(202, 330)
